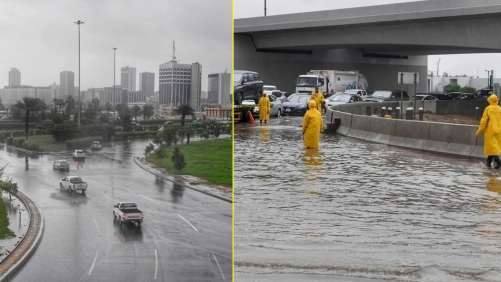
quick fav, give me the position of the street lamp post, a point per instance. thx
(114, 76)
(488, 79)
(265, 8)
(79, 22)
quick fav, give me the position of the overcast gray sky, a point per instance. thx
(40, 38)
(454, 64)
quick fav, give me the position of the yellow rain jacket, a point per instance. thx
(264, 107)
(318, 98)
(490, 125)
(312, 126)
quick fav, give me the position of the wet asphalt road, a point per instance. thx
(360, 210)
(185, 236)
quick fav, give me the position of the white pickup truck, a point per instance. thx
(127, 212)
(73, 183)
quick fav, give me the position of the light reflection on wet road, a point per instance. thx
(360, 210)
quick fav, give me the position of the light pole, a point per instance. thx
(114, 69)
(265, 8)
(488, 79)
(79, 22)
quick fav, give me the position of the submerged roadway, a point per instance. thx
(358, 211)
(185, 236)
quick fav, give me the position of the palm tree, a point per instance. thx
(136, 110)
(147, 111)
(28, 104)
(184, 110)
(108, 109)
(70, 104)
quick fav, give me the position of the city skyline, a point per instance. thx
(45, 36)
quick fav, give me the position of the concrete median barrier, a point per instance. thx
(360, 126)
(410, 134)
(456, 139)
(345, 126)
(381, 130)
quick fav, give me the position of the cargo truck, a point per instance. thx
(330, 82)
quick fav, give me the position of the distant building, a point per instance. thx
(437, 84)
(10, 95)
(147, 82)
(117, 96)
(219, 88)
(14, 77)
(180, 84)
(67, 85)
(128, 78)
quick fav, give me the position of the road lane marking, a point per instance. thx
(150, 199)
(187, 222)
(97, 226)
(218, 266)
(108, 197)
(156, 264)
(94, 262)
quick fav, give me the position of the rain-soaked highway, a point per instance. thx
(185, 236)
(359, 210)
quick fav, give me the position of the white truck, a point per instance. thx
(127, 212)
(330, 82)
(73, 184)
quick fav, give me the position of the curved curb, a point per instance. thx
(184, 185)
(31, 244)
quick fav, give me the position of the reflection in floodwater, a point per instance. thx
(264, 132)
(176, 192)
(79, 164)
(27, 162)
(361, 209)
(128, 232)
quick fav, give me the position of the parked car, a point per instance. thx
(61, 165)
(386, 95)
(359, 92)
(423, 97)
(247, 85)
(342, 99)
(276, 110)
(78, 154)
(483, 93)
(439, 96)
(96, 145)
(73, 184)
(127, 212)
(296, 104)
(269, 88)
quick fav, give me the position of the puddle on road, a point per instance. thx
(360, 209)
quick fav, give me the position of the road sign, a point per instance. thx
(408, 78)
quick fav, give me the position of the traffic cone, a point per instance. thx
(251, 118)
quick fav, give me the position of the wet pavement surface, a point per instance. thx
(185, 236)
(360, 210)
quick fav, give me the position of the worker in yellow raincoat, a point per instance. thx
(264, 108)
(312, 126)
(318, 97)
(490, 125)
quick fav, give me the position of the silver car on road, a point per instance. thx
(61, 165)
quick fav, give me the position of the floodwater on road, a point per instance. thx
(360, 210)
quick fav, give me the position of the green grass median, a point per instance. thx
(207, 159)
(4, 222)
(45, 142)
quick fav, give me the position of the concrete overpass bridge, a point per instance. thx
(379, 41)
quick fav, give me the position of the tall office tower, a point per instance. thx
(67, 84)
(128, 78)
(14, 77)
(147, 82)
(219, 88)
(180, 83)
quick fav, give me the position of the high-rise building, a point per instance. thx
(147, 82)
(180, 84)
(67, 84)
(219, 88)
(14, 77)
(128, 78)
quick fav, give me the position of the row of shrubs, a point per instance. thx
(12, 126)
(82, 142)
(137, 134)
(21, 142)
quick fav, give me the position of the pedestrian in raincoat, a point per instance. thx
(490, 125)
(312, 126)
(318, 97)
(264, 108)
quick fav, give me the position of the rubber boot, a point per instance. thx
(498, 162)
(489, 162)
